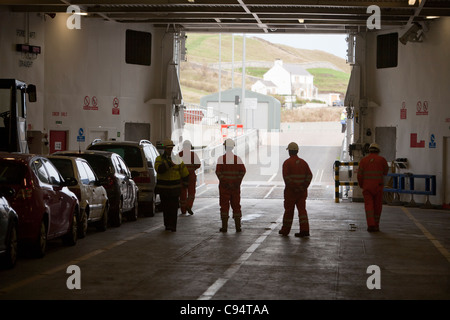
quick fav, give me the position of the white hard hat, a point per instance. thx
(229, 143)
(292, 146)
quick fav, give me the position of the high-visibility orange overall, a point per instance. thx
(297, 177)
(230, 170)
(371, 170)
(187, 196)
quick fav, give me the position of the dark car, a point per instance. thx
(9, 221)
(140, 158)
(91, 195)
(115, 176)
(47, 209)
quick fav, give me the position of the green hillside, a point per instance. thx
(198, 78)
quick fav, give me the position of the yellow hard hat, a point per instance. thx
(374, 146)
(167, 143)
(229, 143)
(292, 146)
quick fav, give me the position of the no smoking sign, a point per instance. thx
(115, 109)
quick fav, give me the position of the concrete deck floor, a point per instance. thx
(142, 261)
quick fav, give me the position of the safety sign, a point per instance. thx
(422, 109)
(81, 137)
(432, 143)
(115, 109)
(403, 111)
(87, 103)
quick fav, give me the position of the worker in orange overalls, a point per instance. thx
(372, 169)
(230, 170)
(192, 163)
(297, 176)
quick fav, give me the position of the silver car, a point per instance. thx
(83, 181)
(8, 234)
(140, 158)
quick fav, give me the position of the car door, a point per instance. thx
(151, 155)
(95, 191)
(63, 215)
(50, 196)
(126, 184)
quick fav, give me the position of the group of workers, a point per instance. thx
(176, 185)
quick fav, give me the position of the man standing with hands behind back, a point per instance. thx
(371, 172)
(230, 170)
(192, 163)
(297, 176)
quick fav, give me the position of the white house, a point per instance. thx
(289, 79)
(265, 87)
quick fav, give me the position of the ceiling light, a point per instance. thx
(301, 20)
(432, 17)
(411, 2)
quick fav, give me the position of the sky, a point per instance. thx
(334, 43)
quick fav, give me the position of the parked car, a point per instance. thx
(47, 209)
(115, 176)
(140, 158)
(338, 103)
(9, 220)
(91, 195)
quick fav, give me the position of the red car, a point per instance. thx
(47, 209)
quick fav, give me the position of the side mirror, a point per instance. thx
(31, 90)
(70, 182)
(7, 192)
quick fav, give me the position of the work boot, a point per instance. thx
(302, 234)
(237, 223)
(190, 211)
(224, 225)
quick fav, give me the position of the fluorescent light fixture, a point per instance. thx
(301, 20)
(81, 13)
(411, 2)
(432, 17)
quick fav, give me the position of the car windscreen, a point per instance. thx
(100, 165)
(11, 173)
(130, 154)
(64, 167)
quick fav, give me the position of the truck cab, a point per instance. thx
(13, 114)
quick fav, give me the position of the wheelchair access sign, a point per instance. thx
(81, 137)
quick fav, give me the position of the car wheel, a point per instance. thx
(70, 238)
(10, 257)
(102, 224)
(116, 219)
(83, 224)
(41, 244)
(133, 214)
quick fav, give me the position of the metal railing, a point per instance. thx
(399, 185)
